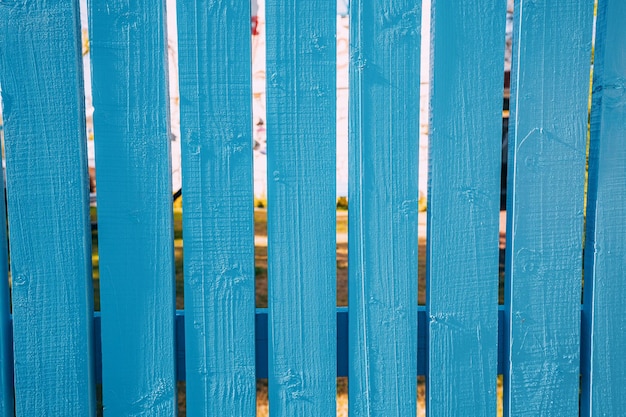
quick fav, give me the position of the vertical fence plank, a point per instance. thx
(383, 193)
(463, 206)
(135, 235)
(7, 402)
(216, 106)
(42, 94)
(301, 206)
(550, 88)
(605, 246)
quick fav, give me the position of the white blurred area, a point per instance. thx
(258, 93)
(343, 59)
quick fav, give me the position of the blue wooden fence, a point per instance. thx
(558, 357)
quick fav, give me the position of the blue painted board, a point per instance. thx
(216, 132)
(301, 146)
(605, 244)
(382, 217)
(465, 151)
(7, 402)
(547, 146)
(47, 183)
(135, 233)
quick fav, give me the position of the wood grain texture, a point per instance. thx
(547, 146)
(463, 206)
(301, 147)
(605, 245)
(7, 402)
(383, 193)
(216, 126)
(128, 57)
(45, 144)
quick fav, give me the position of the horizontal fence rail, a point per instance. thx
(342, 344)
(565, 168)
(261, 339)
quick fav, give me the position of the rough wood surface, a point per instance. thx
(303, 342)
(383, 194)
(605, 245)
(467, 80)
(547, 144)
(215, 88)
(301, 101)
(46, 152)
(135, 232)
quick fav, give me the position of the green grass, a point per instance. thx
(260, 229)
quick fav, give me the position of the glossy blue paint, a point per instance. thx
(45, 145)
(605, 244)
(463, 206)
(216, 128)
(135, 233)
(7, 402)
(547, 146)
(301, 146)
(383, 193)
